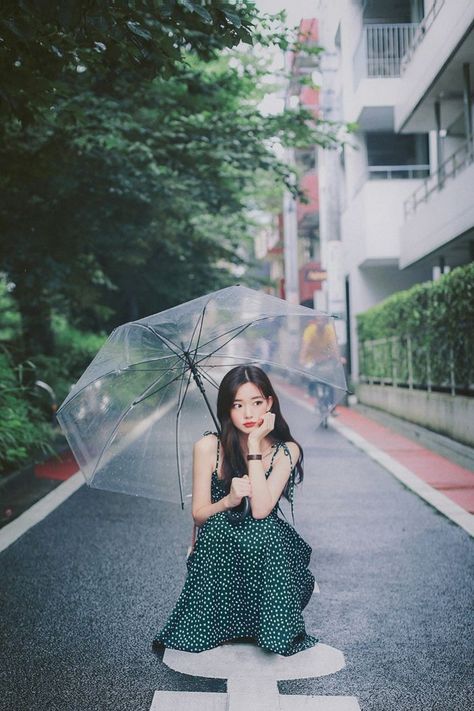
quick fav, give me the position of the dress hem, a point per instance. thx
(157, 643)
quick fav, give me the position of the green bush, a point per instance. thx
(74, 350)
(435, 320)
(25, 410)
(23, 429)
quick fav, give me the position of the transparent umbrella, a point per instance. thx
(150, 392)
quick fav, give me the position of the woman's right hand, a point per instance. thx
(240, 487)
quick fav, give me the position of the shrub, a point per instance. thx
(435, 320)
(23, 429)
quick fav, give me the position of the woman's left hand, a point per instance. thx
(265, 426)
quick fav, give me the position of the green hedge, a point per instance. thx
(23, 429)
(74, 350)
(25, 411)
(438, 318)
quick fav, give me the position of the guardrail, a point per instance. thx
(381, 50)
(391, 172)
(397, 172)
(405, 362)
(420, 33)
(457, 162)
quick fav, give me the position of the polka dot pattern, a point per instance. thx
(244, 580)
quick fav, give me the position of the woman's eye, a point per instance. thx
(258, 402)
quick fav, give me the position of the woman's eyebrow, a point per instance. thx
(257, 397)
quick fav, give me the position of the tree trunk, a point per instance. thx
(35, 312)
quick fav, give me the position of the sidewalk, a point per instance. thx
(439, 472)
(440, 480)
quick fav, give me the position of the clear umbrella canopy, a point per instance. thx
(133, 416)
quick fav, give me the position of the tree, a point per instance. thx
(126, 197)
(45, 45)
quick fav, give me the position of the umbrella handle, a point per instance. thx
(240, 512)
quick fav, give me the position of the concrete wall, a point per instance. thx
(446, 214)
(442, 413)
(433, 52)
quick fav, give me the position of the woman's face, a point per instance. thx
(249, 407)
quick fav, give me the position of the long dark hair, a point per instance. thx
(234, 463)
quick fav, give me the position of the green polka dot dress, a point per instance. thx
(244, 580)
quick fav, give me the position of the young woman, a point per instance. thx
(247, 580)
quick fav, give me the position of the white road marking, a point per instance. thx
(434, 497)
(205, 701)
(36, 513)
(318, 703)
(253, 680)
(189, 701)
(246, 659)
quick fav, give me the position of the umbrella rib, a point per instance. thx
(241, 326)
(124, 414)
(201, 322)
(166, 341)
(269, 362)
(182, 399)
(180, 375)
(111, 372)
(207, 377)
(177, 430)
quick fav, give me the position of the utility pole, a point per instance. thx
(290, 241)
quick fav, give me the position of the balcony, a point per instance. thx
(432, 68)
(439, 214)
(448, 170)
(376, 74)
(369, 238)
(392, 172)
(381, 50)
(421, 31)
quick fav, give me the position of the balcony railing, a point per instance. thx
(397, 172)
(381, 49)
(411, 361)
(421, 31)
(391, 172)
(457, 162)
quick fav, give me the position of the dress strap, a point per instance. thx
(208, 432)
(291, 489)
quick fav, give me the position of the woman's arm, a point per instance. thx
(204, 457)
(266, 492)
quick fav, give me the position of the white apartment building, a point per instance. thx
(400, 197)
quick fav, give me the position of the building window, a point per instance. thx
(395, 156)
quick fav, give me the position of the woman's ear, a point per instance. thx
(269, 403)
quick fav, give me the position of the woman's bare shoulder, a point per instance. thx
(294, 451)
(207, 444)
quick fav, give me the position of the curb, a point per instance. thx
(435, 498)
(36, 513)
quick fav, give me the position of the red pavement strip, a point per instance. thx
(453, 481)
(58, 469)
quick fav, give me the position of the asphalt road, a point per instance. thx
(84, 591)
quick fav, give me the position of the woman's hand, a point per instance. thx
(240, 487)
(265, 426)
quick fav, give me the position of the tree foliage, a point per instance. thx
(130, 191)
(46, 45)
